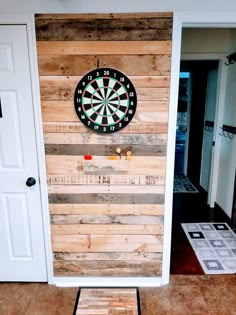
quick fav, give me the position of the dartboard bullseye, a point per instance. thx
(105, 100)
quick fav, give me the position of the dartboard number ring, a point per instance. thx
(105, 100)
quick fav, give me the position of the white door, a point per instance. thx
(21, 227)
(208, 135)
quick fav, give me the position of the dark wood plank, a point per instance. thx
(107, 268)
(103, 150)
(107, 198)
(104, 29)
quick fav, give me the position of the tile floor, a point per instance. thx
(185, 295)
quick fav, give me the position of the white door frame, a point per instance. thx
(182, 19)
(28, 20)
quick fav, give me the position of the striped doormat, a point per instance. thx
(183, 185)
(107, 301)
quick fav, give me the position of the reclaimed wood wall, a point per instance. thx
(109, 221)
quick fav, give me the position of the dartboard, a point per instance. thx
(105, 100)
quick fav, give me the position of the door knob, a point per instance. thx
(30, 182)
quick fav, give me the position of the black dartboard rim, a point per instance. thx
(105, 100)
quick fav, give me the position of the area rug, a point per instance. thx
(214, 245)
(107, 301)
(183, 185)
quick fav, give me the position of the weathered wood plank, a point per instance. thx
(98, 16)
(102, 243)
(107, 198)
(73, 165)
(72, 81)
(95, 138)
(104, 47)
(126, 28)
(103, 150)
(113, 179)
(65, 93)
(137, 256)
(107, 268)
(105, 189)
(137, 128)
(80, 65)
(146, 112)
(106, 229)
(75, 219)
(99, 209)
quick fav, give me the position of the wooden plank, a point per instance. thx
(146, 112)
(103, 150)
(75, 219)
(137, 256)
(104, 47)
(65, 93)
(73, 165)
(107, 198)
(95, 138)
(105, 189)
(137, 128)
(98, 16)
(99, 209)
(80, 65)
(102, 243)
(127, 28)
(72, 81)
(106, 229)
(113, 179)
(107, 268)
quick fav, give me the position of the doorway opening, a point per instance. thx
(194, 153)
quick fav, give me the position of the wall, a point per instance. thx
(106, 220)
(228, 146)
(107, 6)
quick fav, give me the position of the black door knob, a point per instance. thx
(30, 182)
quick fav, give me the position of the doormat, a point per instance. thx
(214, 245)
(104, 301)
(183, 185)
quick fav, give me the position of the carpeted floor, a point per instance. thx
(107, 301)
(214, 245)
(183, 185)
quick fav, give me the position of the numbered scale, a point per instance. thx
(105, 100)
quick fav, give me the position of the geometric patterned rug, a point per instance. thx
(183, 185)
(214, 245)
(107, 301)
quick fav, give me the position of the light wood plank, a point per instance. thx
(104, 189)
(146, 112)
(137, 256)
(102, 243)
(99, 209)
(72, 81)
(65, 93)
(80, 64)
(73, 165)
(107, 229)
(104, 47)
(106, 219)
(113, 179)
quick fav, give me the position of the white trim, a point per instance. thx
(28, 20)
(174, 87)
(107, 281)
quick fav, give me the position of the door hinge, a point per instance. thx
(213, 143)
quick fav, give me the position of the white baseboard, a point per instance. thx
(107, 281)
